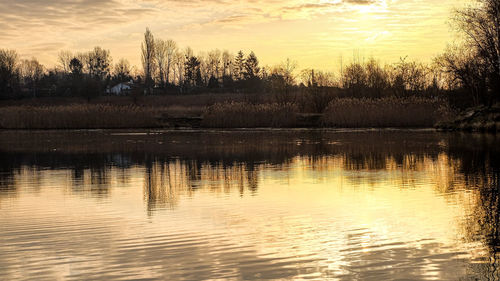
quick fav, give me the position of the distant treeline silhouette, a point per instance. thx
(467, 75)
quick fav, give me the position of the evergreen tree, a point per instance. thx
(239, 64)
(251, 67)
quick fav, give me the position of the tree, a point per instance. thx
(317, 78)
(354, 78)
(171, 47)
(408, 77)
(64, 58)
(466, 71)
(9, 74)
(178, 66)
(122, 71)
(161, 59)
(239, 65)
(99, 63)
(214, 63)
(192, 76)
(282, 80)
(377, 78)
(480, 25)
(31, 73)
(148, 59)
(251, 66)
(76, 67)
(227, 64)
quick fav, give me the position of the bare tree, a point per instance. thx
(31, 73)
(8, 71)
(64, 57)
(148, 59)
(161, 59)
(227, 63)
(377, 78)
(282, 80)
(122, 70)
(178, 66)
(171, 47)
(465, 70)
(354, 78)
(480, 25)
(214, 63)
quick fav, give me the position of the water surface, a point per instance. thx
(190, 205)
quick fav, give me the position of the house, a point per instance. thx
(123, 88)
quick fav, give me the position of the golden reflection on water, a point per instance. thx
(425, 210)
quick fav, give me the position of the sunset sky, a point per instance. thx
(315, 33)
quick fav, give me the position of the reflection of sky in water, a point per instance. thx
(415, 216)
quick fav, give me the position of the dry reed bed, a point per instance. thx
(386, 112)
(347, 112)
(78, 116)
(247, 115)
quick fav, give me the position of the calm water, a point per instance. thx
(180, 205)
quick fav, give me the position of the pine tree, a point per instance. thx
(251, 66)
(239, 64)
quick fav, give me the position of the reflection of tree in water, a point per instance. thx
(166, 181)
(479, 157)
(483, 225)
(179, 164)
(7, 170)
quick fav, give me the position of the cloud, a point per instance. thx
(33, 15)
(36, 28)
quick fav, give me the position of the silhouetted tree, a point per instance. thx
(377, 78)
(477, 65)
(9, 74)
(171, 47)
(76, 67)
(239, 65)
(227, 64)
(282, 80)
(148, 59)
(192, 76)
(99, 63)
(354, 79)
(251, 66)
(161, 59)
(64, 58)
(213, 83)
(122, 71)
(32, 72)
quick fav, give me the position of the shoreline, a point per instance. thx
(207, 129)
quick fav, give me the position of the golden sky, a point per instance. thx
(315, 33)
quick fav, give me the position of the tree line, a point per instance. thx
(468, 73)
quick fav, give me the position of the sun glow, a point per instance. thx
(313, 32)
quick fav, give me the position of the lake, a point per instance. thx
(241, 205)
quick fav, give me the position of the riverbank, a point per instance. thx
(236, 113)
(477, 119)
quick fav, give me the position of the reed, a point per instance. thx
(344, 112)
(247, 115)
(78, 116)
(386, 112)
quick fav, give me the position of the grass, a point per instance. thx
(386, 112)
